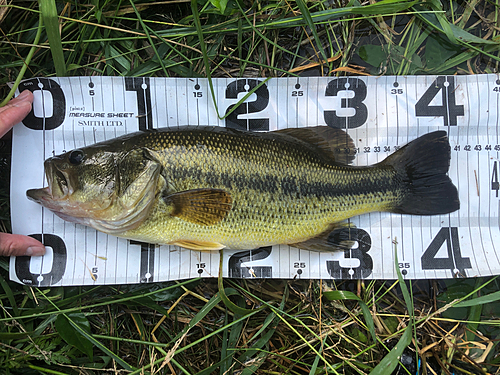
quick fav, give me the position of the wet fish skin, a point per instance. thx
(207, 188)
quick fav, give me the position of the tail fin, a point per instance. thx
(422, 166)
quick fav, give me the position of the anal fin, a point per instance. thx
(328, 241)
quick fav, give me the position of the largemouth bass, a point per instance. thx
(207, 188)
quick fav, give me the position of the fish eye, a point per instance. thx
(76, 157)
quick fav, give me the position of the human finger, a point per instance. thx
(15, 111)
(18, 245)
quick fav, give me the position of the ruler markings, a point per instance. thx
(495, 107)
(469, 176)
(481, 222)
(488, 89)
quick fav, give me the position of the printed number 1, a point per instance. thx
(142, 88)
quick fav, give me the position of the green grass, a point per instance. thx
(293, 327)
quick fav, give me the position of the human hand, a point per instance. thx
(15, 111)
(11, 114)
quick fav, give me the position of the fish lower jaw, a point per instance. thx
(37, 195)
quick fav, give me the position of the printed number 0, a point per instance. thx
(22, 264)
(53, 95)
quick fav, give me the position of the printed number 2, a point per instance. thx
(243, 86)
(448, 109)
(235, 264)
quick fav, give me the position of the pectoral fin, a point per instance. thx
(200, 206)
(199, 245)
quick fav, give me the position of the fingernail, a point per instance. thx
(35, 251)
(23, 95)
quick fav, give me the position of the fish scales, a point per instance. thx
(209, 188)
(280, 194)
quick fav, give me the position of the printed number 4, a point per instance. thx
(454, 260)
(449, 110)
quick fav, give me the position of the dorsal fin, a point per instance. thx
(334, 144)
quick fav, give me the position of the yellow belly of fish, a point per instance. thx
(258, 220)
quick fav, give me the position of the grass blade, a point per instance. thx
(336, 295)
(71, 335)
(391, 360)
(25, 63)
(310, 23)
(222, 292)
(203, 47)
(51, 20)
(489, 298)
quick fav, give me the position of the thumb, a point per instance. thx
(18, 245)
(15, 111)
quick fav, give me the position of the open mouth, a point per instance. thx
(59, 186)
(57, 189)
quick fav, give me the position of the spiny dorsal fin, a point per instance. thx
(335, 144)
(200, 206)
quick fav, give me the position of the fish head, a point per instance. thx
(109, 190)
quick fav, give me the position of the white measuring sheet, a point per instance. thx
(380, 113)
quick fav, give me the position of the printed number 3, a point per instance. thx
(352, 84)
(364, 241)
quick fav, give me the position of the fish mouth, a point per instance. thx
(59, 184)
(57, 190)
(39, 195)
